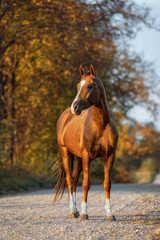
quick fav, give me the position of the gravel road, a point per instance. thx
(33, 216)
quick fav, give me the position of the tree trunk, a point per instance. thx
(1, 101)
(12, 149)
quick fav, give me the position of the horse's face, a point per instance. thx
(87, 92)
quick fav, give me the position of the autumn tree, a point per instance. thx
(42, 44)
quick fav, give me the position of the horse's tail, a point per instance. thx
(58, 170)
(61, 184)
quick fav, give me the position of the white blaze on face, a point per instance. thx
(77, 96)
(108, 208)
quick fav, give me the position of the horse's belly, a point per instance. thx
(72, 141)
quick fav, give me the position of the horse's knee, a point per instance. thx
(107, 186)
(86, 185)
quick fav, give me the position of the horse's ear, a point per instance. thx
(92, 70)
(81, 70)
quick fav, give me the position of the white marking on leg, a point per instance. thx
(84, 208)
(108, 208)
(72, 204)
(77, 96)
(74, 198)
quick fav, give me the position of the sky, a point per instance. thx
(147, 43)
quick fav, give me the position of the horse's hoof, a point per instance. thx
(84, 217)
(111, 218)
(77, 214)
(74, 215)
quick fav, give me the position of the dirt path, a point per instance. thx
(32, 215)
(157, 179)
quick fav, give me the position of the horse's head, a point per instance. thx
(87, 92)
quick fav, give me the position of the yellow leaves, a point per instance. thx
(127, 141)
(43, 90)
(69, 7)
(25, 22)
(136, 141)
(25, 88)
(44, 64)
(34, 100)
(3, 21)
(47, 41)
(122, 174)
(66, 73)
(45, 136)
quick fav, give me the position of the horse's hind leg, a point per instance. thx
(108, 163)
(66, 159)
(86, 186)
(76, 172)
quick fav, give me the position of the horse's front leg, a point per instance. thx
(76, 172)
(86, 186)
(108, 163)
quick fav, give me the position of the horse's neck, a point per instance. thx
(100, 113)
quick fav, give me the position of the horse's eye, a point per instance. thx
(90, 86)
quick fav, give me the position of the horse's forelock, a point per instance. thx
(87, 73)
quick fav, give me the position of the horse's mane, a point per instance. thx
(103, 97)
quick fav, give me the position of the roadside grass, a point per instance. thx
(141, 177)
(17, 181)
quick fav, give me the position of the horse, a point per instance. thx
(86, 130)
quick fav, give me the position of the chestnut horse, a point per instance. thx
(86, 130)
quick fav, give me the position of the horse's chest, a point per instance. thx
(99, 146)
(96, 148)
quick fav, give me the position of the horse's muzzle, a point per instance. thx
(77, 108)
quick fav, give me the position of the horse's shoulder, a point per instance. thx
(66, 112)
(63, 118)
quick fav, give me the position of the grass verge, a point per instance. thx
(12, 182)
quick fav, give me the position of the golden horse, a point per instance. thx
(86, 130)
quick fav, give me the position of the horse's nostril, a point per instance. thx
(75, 108)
